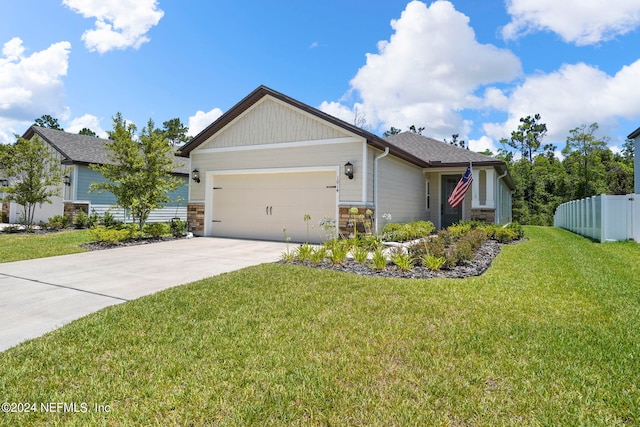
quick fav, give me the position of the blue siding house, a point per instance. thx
(76, 153)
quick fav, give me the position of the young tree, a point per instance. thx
(454, 141)
(585, 148)
(47, 121)
(87, 131)
(174, 131)
(392, 131)
(528, 137)
(35, 172)
(139, 174)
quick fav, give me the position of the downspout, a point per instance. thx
(499, 202)
(375, 187)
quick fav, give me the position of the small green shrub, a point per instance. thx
(102, 234)
(108, 220)
(360, 254)
(156, 229)
(379, 260)
(402, 260)
(505, 235)
(394, 232)
(178, 227)
(459, 230)
(339, 251)
(93, 220)
(303, 253)
(433, 263)
(58, 222)
(318, 254)
(81, 220)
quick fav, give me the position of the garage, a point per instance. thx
(259, 205)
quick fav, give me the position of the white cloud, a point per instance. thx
(120, 24)
(582, 22)
(31, 86)
(575, 94)
(201, 120)
(340, 111)
(482, 144)
(428, 71)
(86, 121)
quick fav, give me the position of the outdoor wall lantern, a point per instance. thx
(348, 170)
(195, 175)
(67, 180)
(4, 182)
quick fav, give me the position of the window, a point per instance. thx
(428, 194)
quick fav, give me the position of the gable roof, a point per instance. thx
(263, 91)
(634, 134)
(416, 149)
(83, 149)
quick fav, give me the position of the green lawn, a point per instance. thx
(19, 246)
(549, 335)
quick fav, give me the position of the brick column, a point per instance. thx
(195, 218)
(345, 225)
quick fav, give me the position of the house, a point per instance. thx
(270, 161)
(76, 153)
(635, 135)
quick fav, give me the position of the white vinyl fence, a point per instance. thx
(603, 218)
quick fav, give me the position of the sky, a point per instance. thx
(465, 67)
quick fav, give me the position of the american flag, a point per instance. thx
(457, 196)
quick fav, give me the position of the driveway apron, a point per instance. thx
(40, 295)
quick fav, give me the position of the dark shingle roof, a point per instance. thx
(634, 134)
(439, 153)
(83, 149)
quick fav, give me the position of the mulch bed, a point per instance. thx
(478, 265)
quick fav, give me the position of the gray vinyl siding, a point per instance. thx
(401, 190)
(329, 155)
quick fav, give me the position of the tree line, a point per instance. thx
(543, 181)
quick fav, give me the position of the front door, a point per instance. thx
(449, 215)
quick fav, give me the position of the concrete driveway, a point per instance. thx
(37, 296)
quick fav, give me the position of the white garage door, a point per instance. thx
(258, 206)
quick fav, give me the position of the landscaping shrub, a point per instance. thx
(111, 235)
(395, 232)
(433, 263)
(156, 229)
(108, 220)
(379, 260)
(303, 253)
(81, 220)
(402, 259)
(338, 250)
(360, 254)
(58, 222)
(318, 254)
(178, 227)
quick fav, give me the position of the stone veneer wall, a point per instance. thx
(345, 226)
(486, 215)
(5, 212)
(195, 218)
(71, 209)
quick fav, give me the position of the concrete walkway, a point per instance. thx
(37, 296)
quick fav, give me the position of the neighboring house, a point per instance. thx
(270, 160)
(76, 153)
(635, 135)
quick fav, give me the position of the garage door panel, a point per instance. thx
(258, 206)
